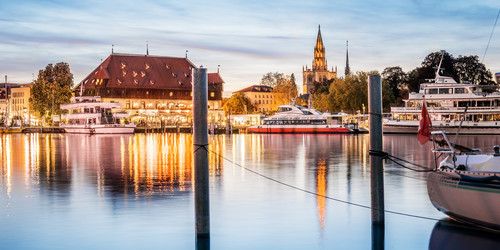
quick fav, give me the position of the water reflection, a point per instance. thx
(131, 166)
(448, 234)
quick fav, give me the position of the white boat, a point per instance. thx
(446, 101)
(466, 184)
(297, 119)
(88, 115)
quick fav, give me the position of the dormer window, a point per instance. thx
(143, 74)
(120, 81)
(187, 75)
(124, 73)
(136, 81)
(167, 66)
(180, 83)
(174, 75)
(123, 64)
(152, 82)
(134, 73)
(148, 66)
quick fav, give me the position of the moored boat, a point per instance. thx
(297, 119)
(88, 115)
(446, 101)
(466, 184)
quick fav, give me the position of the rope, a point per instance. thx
(392, 158)
(316, 194)
(204, 146)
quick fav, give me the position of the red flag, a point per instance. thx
(424, 130)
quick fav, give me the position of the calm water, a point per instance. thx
(61, 191)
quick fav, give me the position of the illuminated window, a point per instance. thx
(143, 74)
(171, 94)
(136, 81)
(167, 66)
(212, 94)
(120, 81)
(124, 65)
(134, 73)
(148, 66)
(180, 83)
(174, 75)
(124, 73)
(151, 82)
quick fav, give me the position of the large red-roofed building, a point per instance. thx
(152, 89)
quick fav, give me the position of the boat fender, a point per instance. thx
(496, 148)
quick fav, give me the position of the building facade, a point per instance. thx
(262, 98)
(154, 90)
(16, 105)
(319, 72)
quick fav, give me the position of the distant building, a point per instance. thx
(262, 98)
(497, 77)
(152, 89)
(319, 72)
(17, 107)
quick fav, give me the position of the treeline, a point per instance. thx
(349, 94)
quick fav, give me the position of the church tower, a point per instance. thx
(319, 72)
(347, 68)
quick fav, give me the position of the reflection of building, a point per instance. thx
(152, 89)
(319, 72)
(262, 97)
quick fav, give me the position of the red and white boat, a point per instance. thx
(297, 119)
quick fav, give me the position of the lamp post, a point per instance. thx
(52, 124)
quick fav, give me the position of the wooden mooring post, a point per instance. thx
(200, 141)
(376, 161)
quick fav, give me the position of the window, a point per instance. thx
(432, 91)
(445, 91)
(459, 90)
(212, 94)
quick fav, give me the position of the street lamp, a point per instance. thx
(52, 106)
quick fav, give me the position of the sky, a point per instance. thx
(246, 38)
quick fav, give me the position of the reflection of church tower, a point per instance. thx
(319, 72)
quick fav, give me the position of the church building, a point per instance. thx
(319, 72)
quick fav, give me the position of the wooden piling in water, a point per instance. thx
(376, 164)
(200, 141)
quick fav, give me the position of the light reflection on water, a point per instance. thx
(60, 191)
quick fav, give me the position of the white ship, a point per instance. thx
(446, 101)
(291, 119)
(88, 115)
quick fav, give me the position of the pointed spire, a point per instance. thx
(347, 68)
(319, 61)
(147, 48)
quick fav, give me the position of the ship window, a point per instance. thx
(459, 90)
(445, 91)
(432, 91)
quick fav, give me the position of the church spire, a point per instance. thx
(319, 53)
(347, 68)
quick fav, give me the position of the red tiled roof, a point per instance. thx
(141, 71)
(214, 78)
(256, 88)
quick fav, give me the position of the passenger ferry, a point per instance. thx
(297, 119)
(88, 115)
(446, 102)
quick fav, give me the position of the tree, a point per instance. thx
(397, 80)
(53, 83)
(238, 104)
(272, 79)
(286, 90)
(470, 69)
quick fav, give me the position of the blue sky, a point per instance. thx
(246, 38)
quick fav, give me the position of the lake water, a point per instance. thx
(63, 191)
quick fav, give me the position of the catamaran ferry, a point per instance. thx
(88, 115)
(297, 119)
(446, 102)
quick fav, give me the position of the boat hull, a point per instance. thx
(465, 130)
(273, 129)
(103, 129)
(472, 201)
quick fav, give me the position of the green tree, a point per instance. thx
(238, 104)
(397, 81)
(53, 83)
(428, 68)
(286, 90)
(470, 69)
